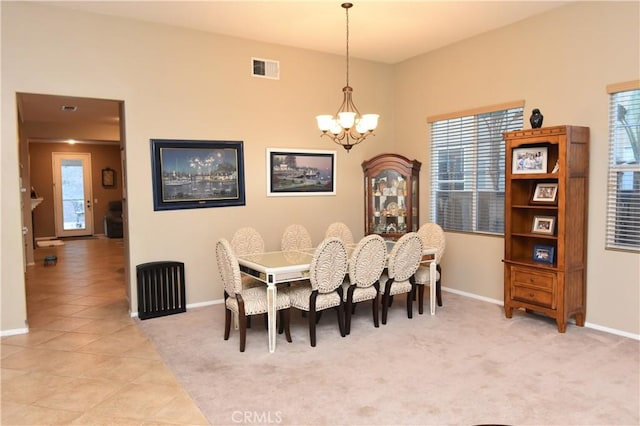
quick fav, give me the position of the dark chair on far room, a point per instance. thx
(113, 220)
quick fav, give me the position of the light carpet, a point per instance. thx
(467, 365)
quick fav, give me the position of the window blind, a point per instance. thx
(467, 167)
(623, 187)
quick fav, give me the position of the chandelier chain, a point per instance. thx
(347, 11)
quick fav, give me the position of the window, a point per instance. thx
(467, 167)
(623, 189)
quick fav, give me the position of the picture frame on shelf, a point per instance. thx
(300, 172)
(543, 254)
(529, 160)
(544, 225)
(545, 193)
(189, 174)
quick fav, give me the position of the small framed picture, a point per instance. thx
(108, 177)
(543, 254)
(545, 193)
(529, 160)
(544, 225)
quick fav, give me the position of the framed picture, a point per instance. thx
(300, 172)
(189, 174)
(108, 177)
(529, 160)
(544, 225)
(545, 193)
(543, 254)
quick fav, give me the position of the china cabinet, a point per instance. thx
(546, 201)
(391, 183)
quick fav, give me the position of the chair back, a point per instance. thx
(368, 261)
(247, 241)
(295, 237)
(340, 230)
(433, 236)
(405, 257)
(329, 265)
(228, 267)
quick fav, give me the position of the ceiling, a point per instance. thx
(381, 31)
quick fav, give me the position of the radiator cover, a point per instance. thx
(161, 289)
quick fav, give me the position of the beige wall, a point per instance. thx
(560, 62)
(191, 85)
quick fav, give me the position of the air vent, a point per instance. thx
(265, 68)
(69, 108)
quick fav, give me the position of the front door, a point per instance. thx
(72, 194)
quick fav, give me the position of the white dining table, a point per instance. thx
(281, 267)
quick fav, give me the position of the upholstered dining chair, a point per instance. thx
(295, 237)
(340, 230)
(244, 302)
(402, 264)
(324, 288)
(432, 236)
(367, 262)
(247, 240)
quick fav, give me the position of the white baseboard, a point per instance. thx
(192, 305)
(14, 332)
(586, 324)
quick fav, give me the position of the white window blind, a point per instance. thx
(467, 167)
(623, 189)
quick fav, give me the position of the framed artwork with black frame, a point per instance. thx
(108, 177)
(189, 174)
(545, 193)
(543, 254)
(531, 159)
(300, 172)
(544, 225)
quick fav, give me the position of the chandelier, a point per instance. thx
(348, 127)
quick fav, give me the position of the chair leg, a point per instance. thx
(347, 317)
(312, 327)
(285, 321)
(349, 310)
(340, 309)
(438, 286)
(410, 301)
(227, 323)
(312, 317)
(386, 300)
(243, 332)
(385, 307)
(376, 304)
(242, 323)
(420, 298)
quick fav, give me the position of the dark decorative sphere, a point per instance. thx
(536, 119)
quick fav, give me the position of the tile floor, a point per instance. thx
(84, 360)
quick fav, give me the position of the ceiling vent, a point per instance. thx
(265, 68)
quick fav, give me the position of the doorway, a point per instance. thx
(68, 185)
(72, 194)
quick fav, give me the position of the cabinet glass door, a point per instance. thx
(389, 203)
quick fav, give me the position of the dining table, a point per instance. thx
(274, 268)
